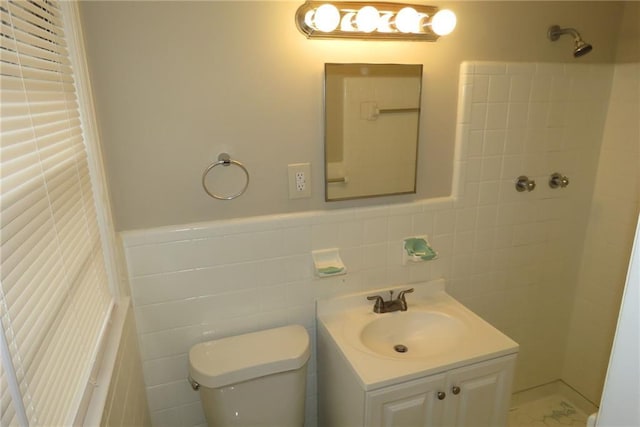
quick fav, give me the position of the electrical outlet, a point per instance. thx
(299, 180)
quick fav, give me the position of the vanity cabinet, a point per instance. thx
(457, 372)
(474, 395)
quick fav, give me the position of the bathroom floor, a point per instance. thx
(554, 410)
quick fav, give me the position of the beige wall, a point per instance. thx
(178, 82)
(612, 221)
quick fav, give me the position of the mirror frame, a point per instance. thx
(419, 68)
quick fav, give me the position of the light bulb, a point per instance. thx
(367, 19)
(346, 24)
(384, 24)
(408, 20)
(308, 18)
(326, 18)
(443, 22)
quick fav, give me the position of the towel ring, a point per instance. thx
(225, 160)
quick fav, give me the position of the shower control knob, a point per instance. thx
(441, 395)
(523, 183)
(455, 389)
(558, 180)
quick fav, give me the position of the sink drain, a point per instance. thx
(400, 348)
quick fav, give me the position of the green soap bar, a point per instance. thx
(330, 270)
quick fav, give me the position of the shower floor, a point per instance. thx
(551, 411)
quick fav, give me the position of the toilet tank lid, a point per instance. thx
(232, 360)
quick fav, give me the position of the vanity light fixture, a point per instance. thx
(373, 20)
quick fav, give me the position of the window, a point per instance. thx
(55, 299)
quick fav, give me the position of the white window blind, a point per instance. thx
(54, 295)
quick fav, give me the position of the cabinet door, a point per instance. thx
(411, 404)
(478, 395)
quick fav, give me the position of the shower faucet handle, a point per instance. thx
(523, 183)
(558, 180)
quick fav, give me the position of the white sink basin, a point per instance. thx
(412, 334)
(437, 332)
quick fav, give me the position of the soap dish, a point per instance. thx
(417, 249)
(327, 263)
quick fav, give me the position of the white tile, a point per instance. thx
(399, 227)
(352, 258)
(157, 258)
(170, 417)
(497, 116)
(491, 168)
(489, 193)
(540, 89)
(169, 342)
(499, 87)
(517, 115)
(560, 86)
(445, 222)
(228, 305)
(547, 68)
(241, 325)
(463, 242)
(162, 396)
(538, 114)
(420, 272)
(167, 315)
(467, 67)
(296, 268)
(422, 223)
(520, 89)
(165, 370)
(491, 68)
(375, 230)
(478, 116)
(475, 143)
(521, 68)
(443, 244)
(494, 142)
(514, 143)
(464, 104)
(480, 88)
(466, 219)
(324, 236)
(512, 167)
(296, 240)
(487, 217)
(350, 234)
(375, 256)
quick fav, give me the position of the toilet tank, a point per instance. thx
(253, 379)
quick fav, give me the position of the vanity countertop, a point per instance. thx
(439, 334)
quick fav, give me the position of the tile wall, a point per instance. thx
(512, 257)
(126, 403)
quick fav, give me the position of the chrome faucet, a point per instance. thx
(398, 304)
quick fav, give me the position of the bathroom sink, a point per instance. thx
(412, 334)
(435, 333)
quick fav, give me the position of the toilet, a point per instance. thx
(255, 379)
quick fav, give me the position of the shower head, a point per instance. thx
(580, 47)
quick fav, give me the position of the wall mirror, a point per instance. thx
(372, 114)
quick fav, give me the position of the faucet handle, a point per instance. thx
(406, 291)
(377, 307)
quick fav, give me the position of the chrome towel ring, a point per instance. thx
(225, 160)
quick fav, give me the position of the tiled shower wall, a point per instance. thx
(511, 257)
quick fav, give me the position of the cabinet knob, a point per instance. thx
(441, 395)
(455, 389)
